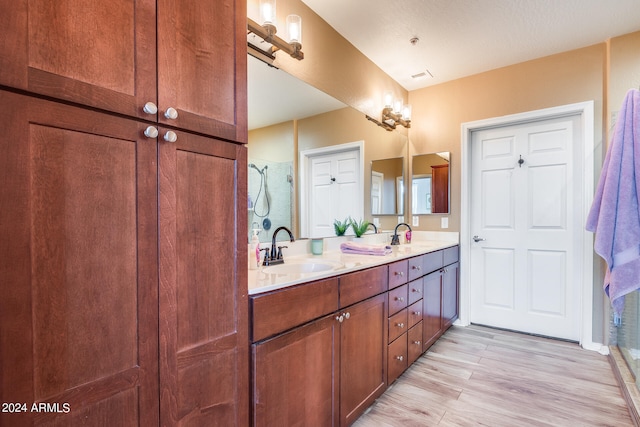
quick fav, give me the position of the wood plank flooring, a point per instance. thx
(477, 376)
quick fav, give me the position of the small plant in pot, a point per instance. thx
(359, 228)
(341, 226)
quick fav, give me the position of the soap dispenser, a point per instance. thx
(254, 250)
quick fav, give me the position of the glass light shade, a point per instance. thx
(388, 99)
(397, 106)
(294, 29)
(406, 112)
(268, 12)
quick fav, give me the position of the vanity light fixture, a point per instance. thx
(394, 112)
(267, 31)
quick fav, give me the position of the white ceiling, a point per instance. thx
(457, 38)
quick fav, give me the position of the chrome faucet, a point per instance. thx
(395, 240)
(276, 256)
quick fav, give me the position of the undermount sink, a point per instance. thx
(302, 267)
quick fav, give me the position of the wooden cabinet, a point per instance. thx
(326, 371)
(296, 376)
(203, 324)
(78, 265)
(117, 56)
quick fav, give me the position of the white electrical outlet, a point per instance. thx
(416, 221)
(444, 222)
(400, 219)
(376, 222)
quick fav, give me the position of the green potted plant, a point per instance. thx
(341, 226)
(359, 228)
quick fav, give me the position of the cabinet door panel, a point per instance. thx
(203, 301)
(431, 309)
(450, 295)
(295, 377)
(202, 66)
(79, 227)
(362, 361)
(101, 54)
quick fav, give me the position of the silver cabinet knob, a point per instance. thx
(416, 290)
(171, 113)
(399, 299)
(416, 267)
(340, 318)
(170, 136)
(416, 313)
(150, 108)
(400, 325)
(400, 358)
(398, 273)
(151, 132)
(347, 315)
(416, 342)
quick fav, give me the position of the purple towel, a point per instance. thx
(615, 213)
(362, 249)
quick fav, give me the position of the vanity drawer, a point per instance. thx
(415, 291)
(397, 325)
(450, 255)
(415, 267)
(398, 273)
(397, 358)
(398, 298)
(280, 310)
(432, 261)
(414, 313)
(360, 285)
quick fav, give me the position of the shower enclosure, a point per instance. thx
(628, 333)
(270, 188)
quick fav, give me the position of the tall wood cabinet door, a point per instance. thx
(204, 344)
(78, 266)
(431, 309)
(100, 54)
(363, 356)
(296, 376)
(450, 294)
(202, 66)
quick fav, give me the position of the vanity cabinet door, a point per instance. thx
(431, 309)
(450, 294)
(362, 357)
(295, 376)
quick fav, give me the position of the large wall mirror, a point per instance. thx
(288, 117)
(430, 183)
(387, 186)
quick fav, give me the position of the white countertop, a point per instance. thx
(262, 280)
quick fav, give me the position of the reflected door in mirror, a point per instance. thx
(440, 189)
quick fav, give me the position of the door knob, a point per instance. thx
(478, 239)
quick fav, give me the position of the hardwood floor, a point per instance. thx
(478, 376)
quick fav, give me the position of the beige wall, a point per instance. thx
(439, 111)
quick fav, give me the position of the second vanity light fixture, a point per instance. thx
(267, 31)
(394, 112)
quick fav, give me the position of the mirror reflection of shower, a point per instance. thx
(270, 188)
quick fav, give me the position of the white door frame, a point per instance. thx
(585, 239)
(304, 166)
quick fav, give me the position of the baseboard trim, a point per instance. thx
(627, 383)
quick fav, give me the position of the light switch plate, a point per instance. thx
(444, 222)
(416, 221)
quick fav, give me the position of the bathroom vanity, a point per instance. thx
(326, 344)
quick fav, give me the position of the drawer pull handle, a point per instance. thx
(416, 342)
(400, 325)
(399, 299)
(400, 358)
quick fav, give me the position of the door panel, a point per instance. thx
(79, 222)
(522, 205)
(53, 48)
(203, 331)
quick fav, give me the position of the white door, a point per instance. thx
(377, 178)
(522, 207)
(335, 191)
